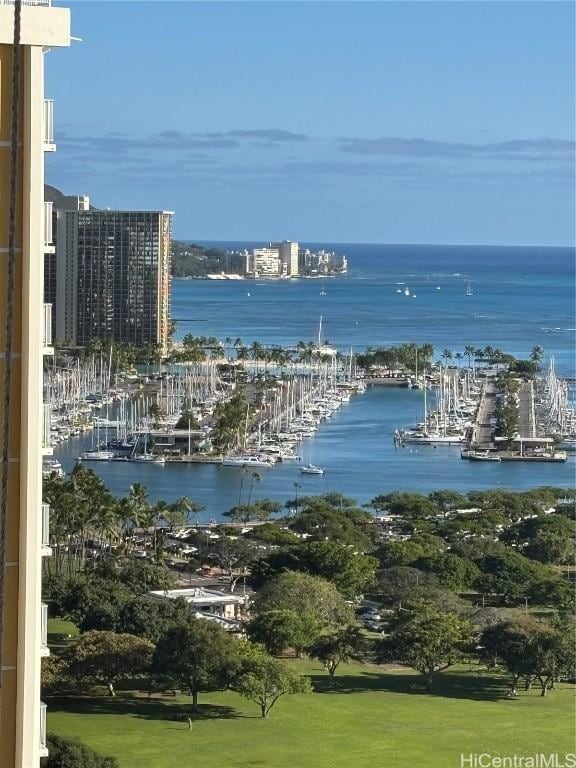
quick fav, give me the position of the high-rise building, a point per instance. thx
(23, 526)
(112, 276)
(288, 252)
(266, 261)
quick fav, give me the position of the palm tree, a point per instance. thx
(446, 355)
(469, 351)
(536, 354)
(458, 356)
(254, 478)
(244, 470)
(256, 350)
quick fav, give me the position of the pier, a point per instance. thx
(528, 445)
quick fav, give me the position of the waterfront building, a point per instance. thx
(266, 262)
(273, 260)
(112, 276)
(24, 517)
(288, 254)
(321, 262)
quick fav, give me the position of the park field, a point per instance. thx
(372, 717)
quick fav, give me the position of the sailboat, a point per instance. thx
(469, 291)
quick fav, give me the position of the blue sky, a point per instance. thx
(392, 122)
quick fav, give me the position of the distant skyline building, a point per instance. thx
(288, 252)
(273, 260)
(266, 261)
(25, 519)
(110, 279)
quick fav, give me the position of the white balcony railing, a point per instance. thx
(49, 125)
(48, 222)
(47, 340)
(27, 2)
(45, 543)
(43, 749)
(44, 651)
(46, 426)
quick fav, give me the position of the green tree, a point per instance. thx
(427, 639)
(411, 506)
(233, 556)
(107, 657)
(509, 574)
(350, 570)
(199, 655)
(399, 583)
(264, 679)
(532, 650)
(151, 618)
(72, 753)
(305, 594)
(278, 630)
(336, 648)
(549, 539)
(395, 552)
(451, 571)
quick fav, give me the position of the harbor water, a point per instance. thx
(521, 297)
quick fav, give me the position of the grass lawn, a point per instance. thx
(372, 718)
(58, 631)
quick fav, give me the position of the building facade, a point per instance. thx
(113, 276)
(266, 262)
(24, 518)
(288, 253)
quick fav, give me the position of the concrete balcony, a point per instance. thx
(49, 145)
(44, 650)
(45, 542)
(42, 24)
(47, 348)
(46, 427)
(43, 747)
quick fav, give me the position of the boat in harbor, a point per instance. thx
(484, 455)
(149, 458)
(311, 469)
(246, 461)
(97, 455)
(51, 466)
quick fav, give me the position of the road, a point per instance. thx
(482, 436)
(526, 411)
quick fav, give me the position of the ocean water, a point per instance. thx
(521, 297)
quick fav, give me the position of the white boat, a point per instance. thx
(469, 291)
(310, 469)
(431, 438)
(406, 291)
(52, 467)
(246, 461)
(98, 455)
(149, 458)
(480, 456)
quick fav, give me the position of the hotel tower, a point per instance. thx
(23, 526)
